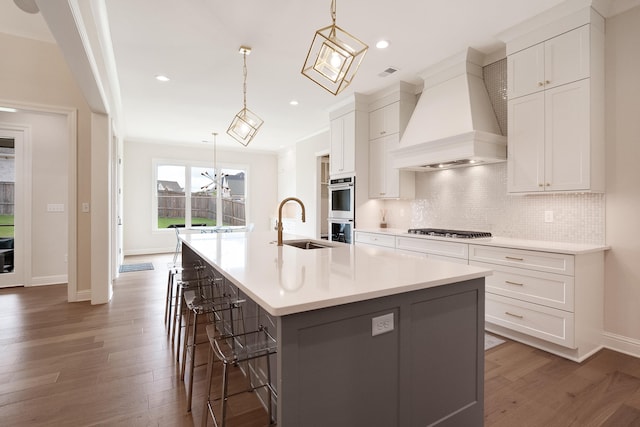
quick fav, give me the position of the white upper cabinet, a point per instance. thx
(343, 144)
(549, 140)
(384, 121)
(388, 117)
(556, 109)
(554, 62)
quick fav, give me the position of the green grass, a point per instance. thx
(6, 226)
(166, 222)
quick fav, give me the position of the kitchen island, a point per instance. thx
(365, 337)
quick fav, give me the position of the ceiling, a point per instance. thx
(195, 43)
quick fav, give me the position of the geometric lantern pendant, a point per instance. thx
(334, 57)
(245, 124)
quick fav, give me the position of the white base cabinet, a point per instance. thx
(375, 239)
(548, 300)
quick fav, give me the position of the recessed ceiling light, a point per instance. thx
(162, 78)
(382, 44)
(293, 102)
(8, 110)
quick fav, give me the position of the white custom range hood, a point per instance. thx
(454, 123)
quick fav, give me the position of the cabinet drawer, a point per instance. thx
(376, 239)
(546, 323)
(432, 256)
(533, 260)
(553, 290)
(434, 247)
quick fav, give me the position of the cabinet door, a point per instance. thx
(342, 145)
(391, 175)
(384, 180)
(376, 123)
(377, 168)
(525, 71)
(567, 140)
(384, 121)
(525, 164)
(566, 58)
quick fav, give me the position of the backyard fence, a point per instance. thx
(7, 197)
(171, 204)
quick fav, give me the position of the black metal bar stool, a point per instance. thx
(233, 350)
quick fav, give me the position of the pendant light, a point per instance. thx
(334, 56)
(245, 124)
(218, 182)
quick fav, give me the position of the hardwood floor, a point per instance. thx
(75, 364)
(528, 387)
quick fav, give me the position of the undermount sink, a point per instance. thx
(308, 244)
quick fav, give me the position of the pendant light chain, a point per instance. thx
(244, 86)
(333, 11)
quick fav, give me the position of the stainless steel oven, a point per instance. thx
(341, 230)
(342, 198)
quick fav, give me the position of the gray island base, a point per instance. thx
(413, 358)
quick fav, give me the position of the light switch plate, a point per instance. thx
(548, 216)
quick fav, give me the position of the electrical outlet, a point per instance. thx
(85, 207)
(548, 216)
(381, 324)
(55, 207)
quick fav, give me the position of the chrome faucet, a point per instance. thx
(282, 203)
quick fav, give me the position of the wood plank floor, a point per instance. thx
(75, 364)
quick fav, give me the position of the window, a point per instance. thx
(187, 196)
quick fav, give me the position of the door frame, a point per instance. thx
(72, 120)
(22, 204)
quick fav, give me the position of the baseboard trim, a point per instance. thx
(83, 296)
(149, 251)
(49, 280)
(621, 344)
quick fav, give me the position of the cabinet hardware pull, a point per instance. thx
(540, 84)
(547, 82)
(513, 315)
(541, 185)
(514, 258)
(513, 283)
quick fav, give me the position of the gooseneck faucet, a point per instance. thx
(282, 203)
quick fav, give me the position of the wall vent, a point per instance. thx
(388, 72)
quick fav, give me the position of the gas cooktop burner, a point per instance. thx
(459, 234)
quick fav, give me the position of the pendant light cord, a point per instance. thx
(244, 85)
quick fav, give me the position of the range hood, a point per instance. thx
(453, 124)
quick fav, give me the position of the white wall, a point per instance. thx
(49, 184)
(622, 270)
(139, 238)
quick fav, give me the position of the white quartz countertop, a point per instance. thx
(286, 280)
(505, 242)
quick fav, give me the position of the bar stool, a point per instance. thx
(190, 278)
(207, 298)
(236, 349)
(170, 301)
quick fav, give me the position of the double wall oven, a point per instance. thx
(342, 209)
